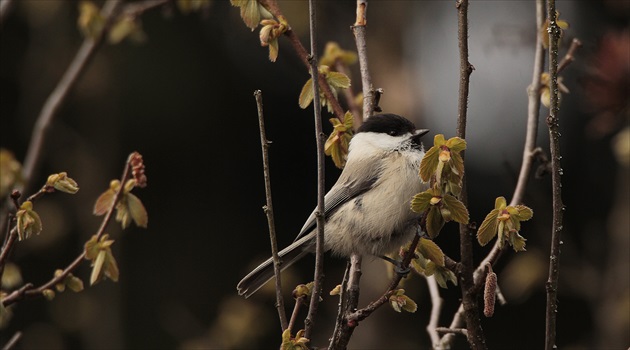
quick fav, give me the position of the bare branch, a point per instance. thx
(436, 308)
(359, 29)
(558, 206)
(264, 144)
(13, 341)
(467, 283)
(321, 186)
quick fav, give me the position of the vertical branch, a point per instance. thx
(264, 143)
(533, 107)
(558, 207)
(358, 29)
(349, 300)
(319, 137)
(476, 338)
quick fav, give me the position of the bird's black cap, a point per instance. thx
(388, 123)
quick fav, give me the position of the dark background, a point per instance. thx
(184, 100)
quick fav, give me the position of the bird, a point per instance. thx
(368, 210)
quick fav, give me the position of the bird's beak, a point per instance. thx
(418, 133)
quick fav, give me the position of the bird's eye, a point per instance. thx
(392, 133)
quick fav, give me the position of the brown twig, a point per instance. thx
(59, 95)
(558, 206)
(349, 299)
(436, 308)
(28, 290)
(461, 331)
(13, 341)
(470, 305)
(569, 57)
(273, 7)
(318, 278)
(296, 310)
(268, 209)
(359, 29)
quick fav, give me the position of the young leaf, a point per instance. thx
(488, 228)
(459, 213)
(428, 249)
(429, 163)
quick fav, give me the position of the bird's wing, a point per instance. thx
(343, 191)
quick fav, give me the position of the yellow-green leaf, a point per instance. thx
(421, 201)
(523, 213)
(429, 163)
(306, 96)
(98, 267)
(338, 80)
(488, 228)
(428, 249)
(456, 144)
(500, 203)
(137, 210)
(435, 222)
(517, 241)
(459, 213)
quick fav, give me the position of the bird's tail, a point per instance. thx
(264, 272)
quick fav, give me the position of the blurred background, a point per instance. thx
(184, 99)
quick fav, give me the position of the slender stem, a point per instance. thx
(28, 290)
(436, 308)
(13, 341)
(309, 322)
(533, 108)
(60, 93)
(467, 283)
(359, 29)
(350, 299)
(273, 7)
(264, 144)
(296, 310)
(558, 206)
(569, 57)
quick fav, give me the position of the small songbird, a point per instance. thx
(367, 211)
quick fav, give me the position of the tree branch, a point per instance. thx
(309, 322)
(268, 209)
(273, 7)
(28, 290)
(436, 308)
(558, 206)
(59, 95)
(467, 283)
(359, 29)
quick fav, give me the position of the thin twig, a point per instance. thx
(296, 310)
(13, 341)
(436, 308)
(569, 57)
(345, 326)
(461, 331)
(273, 7)
(309, 322)
(467, 283)
(358, 29)
(526, 165)
(59, 95)
(28, 290)
(264, 144)
(558, 206)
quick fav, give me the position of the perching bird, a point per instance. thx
(367, 211)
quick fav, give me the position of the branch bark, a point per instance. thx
(558, 206)
(264, 144)
(309, 322)
(476, 338)
(359, 29)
